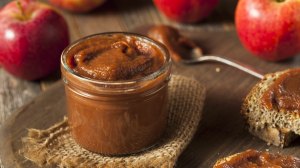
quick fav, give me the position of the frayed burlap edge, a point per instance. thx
(55, 147)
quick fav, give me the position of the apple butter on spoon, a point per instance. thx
(179, 46)
(186, 51)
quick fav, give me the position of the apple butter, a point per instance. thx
(256, 159)
(116, 91)
(179, 46)
(284, 93)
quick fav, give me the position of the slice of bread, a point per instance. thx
(276, 127)
(252, 158)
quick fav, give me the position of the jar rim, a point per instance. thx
(140, 37)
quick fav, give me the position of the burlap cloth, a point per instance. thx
(55, 147)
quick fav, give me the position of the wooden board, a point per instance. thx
(221, 131)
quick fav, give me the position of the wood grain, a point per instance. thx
(40, 117)
(14, 93)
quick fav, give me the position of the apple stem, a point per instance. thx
(23, 14)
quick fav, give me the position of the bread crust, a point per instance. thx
(276, 127)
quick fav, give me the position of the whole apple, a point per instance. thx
(79, 6)
(270, 29)
(187, 11)
(32, 37)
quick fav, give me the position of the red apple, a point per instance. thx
(79, 6)
(188, 11)
(270, 29)
(32, 37)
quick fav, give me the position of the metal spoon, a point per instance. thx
(197, 57)
(185, 50)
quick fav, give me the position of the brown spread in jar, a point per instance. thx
(116, 57)
(256, 159)
(284, 93)
(116, 90)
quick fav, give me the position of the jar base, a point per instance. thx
(136, 152)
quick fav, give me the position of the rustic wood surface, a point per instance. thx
(221, 131)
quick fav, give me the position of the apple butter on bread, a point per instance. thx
(284, 93)
(257, 159)
(272, 108)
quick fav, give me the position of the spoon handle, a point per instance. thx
(226, 61)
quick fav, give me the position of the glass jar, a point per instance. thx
(116, 117)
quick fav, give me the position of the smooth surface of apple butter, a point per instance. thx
(284, 93)
(256, 159)
(116, 90)
(116, 57)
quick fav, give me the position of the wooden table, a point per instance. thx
(226, 88)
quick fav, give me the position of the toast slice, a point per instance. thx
(275, 126)
(252, 158)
